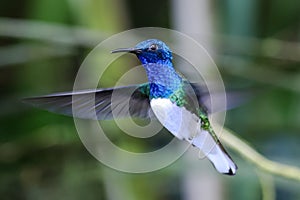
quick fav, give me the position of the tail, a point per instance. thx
(212, 148)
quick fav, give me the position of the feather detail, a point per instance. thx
(107, 103)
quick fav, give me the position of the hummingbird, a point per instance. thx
(178, 104)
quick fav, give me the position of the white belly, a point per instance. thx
(185, 125)
(179, 121)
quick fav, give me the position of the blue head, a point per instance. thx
(156, 58)
(150, 51)
(153, 51)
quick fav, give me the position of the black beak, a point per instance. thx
(128, 50)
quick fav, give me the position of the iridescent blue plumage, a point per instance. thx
(156, 58)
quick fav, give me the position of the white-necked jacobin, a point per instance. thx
(167, 96)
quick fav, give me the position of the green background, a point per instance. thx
(42, 44)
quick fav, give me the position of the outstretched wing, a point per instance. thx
(119, 102)
(234, 97)
(123, 101)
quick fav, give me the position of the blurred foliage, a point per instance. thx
(41, 156)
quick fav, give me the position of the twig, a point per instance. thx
(270, 47)
(50, 32)
(247, 152)
(267, 185)
(24, 53)
(68, 35)
(253, 71)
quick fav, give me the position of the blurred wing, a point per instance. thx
(119, 102)
(234, 97)
(127, 101)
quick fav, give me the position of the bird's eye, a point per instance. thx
(153, 47)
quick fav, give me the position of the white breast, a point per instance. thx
(179, 121)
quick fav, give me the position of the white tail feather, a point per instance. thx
(215, 152)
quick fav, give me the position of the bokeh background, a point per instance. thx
(42, 44)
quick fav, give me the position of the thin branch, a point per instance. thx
(267, 185)
(68, 35)
(247, 152)
(50, 32)
(23, 53)
(268, 47)
(257, 72)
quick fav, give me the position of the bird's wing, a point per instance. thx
(234, 97)
(100, 104)
(105, 106)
